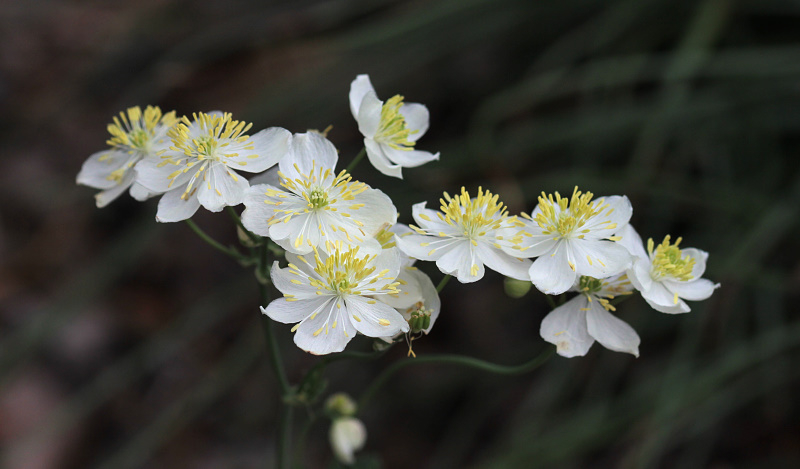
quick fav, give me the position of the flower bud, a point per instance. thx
(347, 436)
(340, 405)
(516, 288)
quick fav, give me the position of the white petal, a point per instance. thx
(430, 297)
(358, 89)
(319, 336)
(613, 333)
(631, 241)
(417, 119)
(565, 327)
(107, 196)
(369, 115)
(426, 248)
(429, 219)
(172, 207)
(694, 290)
(679, 308)
(499, 261)
(700, 258)
(374, 320)
(269, 176)
(664, 300)
(153, 173)
(269, 147)
(257, 212)
(223, 187)
(462, 262)
(290, 312)
(410, 291)
(141, 193)
(534, 242)
(639, 273)
(377, 213)
(347, 436)
(408, 158)
(99, 166)
(308, 151)
(612, 218)
(380, 161)
(599, 259)
(551, 273)
(290, 283)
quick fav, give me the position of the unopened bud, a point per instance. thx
(516, 288)
(340, 405)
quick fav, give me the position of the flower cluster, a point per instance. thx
(350, 266)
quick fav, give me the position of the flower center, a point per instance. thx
(343, 273)
(668, 261)
(602, 291)
(207, 137)
(134, 129)
(563, 217)
(590, 285)
(317, 198)
(393, 129)
(474, 216)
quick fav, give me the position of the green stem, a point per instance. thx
(442, 283)
(455, 360)
(550, 301)
(285, 438)
(273, 350)
(284, 447)
(213, 243)
(356, 160)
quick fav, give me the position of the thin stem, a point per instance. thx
(273, 350)
(285, 438)
(550, 301)
(455, 360)
(442, 283)
(214, 243)
(356, 160)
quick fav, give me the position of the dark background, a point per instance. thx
(127, 343)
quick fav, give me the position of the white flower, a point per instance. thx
(574, 326)
(665, 274)
(316, 206)
(464, 236)
(134, 136)
(347, 436)
(198, 169)
(390, 129)
(330, 297)
(573, 237)
(417, 299)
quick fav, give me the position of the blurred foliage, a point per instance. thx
(129, 344)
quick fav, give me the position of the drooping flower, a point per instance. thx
(390, 129)
(574, 326)
(200, 167)
(134, 136)
(573, 237)
(330, 297)
(347, 435)
(316, 207)
(665, 274)
(464, 236)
